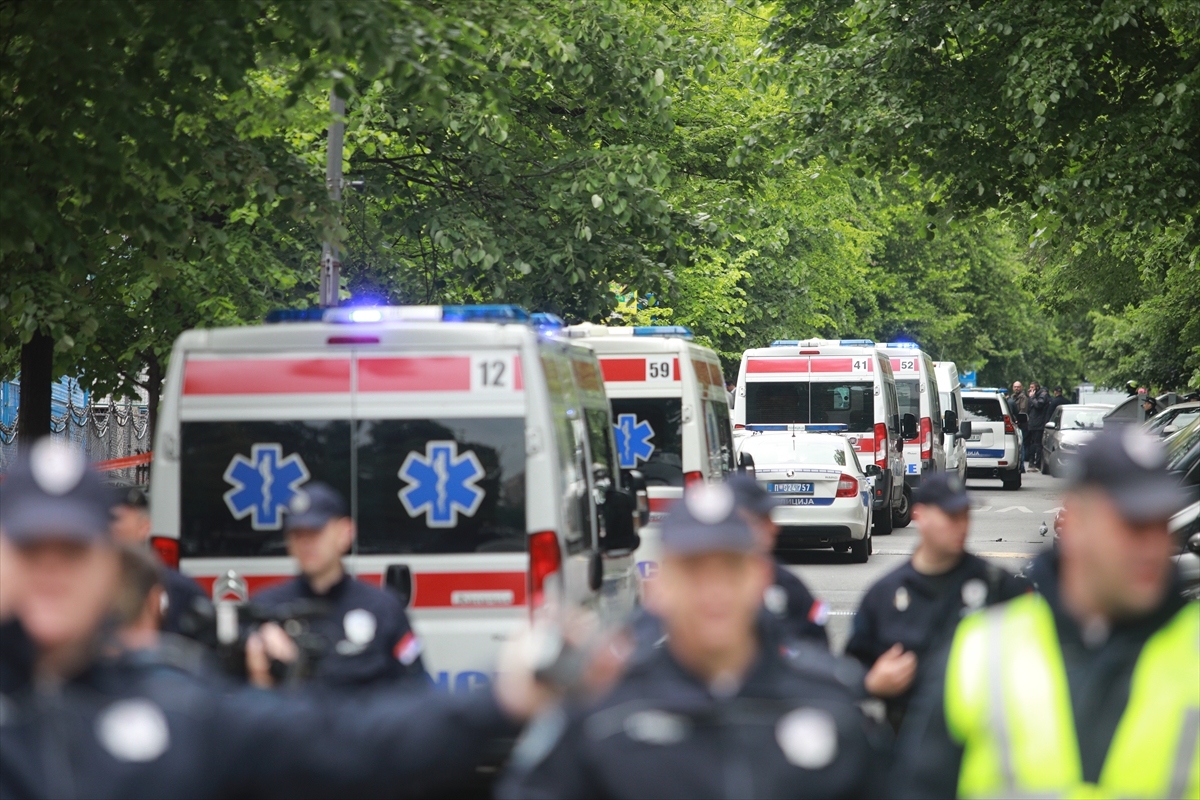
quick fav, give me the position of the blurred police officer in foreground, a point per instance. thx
(1090, 687)
(788, 599)
(914, 608)
(717, 711)
(84, 719)
(131, 527)
(369, 636)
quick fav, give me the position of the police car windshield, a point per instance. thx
(983, 409)
(790, 402)
(649, 434)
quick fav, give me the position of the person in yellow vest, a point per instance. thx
(1089, 688)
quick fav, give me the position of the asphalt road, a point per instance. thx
(1004, 528)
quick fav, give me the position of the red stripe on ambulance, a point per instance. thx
(623, 369)
(836, 364)
(777, 365)
(425, 374)
(266, 376)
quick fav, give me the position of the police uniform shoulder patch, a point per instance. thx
(133, 730)
(775, 600)
(901, 600)
(974, 593)
(808, 738)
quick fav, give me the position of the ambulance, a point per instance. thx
(476, 455)
(917, 396)
(824, 381)
(956, 428)
(670, 413)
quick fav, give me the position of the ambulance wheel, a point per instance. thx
(903, 515)
(1012, 480)
(882, 526)
(860, 549)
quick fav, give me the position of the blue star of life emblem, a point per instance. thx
(264, 485)
(633, 440)
(441, 483)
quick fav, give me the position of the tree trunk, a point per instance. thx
(37, 375)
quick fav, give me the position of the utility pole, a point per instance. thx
(331, 264)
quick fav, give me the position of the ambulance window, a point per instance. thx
(935, 405)
(576, 507)
(600, 438)
(908, 396)
(649, 435)
(240, 476)
(720, 438)
(441, 485)
(774, 403)
(850, 404)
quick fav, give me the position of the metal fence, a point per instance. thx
(104, 429)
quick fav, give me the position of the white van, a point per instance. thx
(956, 428)
(917, 395)
(476, 455)
(670, 413)
(829, 381)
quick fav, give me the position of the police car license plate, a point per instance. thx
(791, 488)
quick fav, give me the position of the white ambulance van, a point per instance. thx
(823, 381)
(670, 413)
(917, 396)
(477, 457)
(956, 428)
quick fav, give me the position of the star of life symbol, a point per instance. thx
(264, 485)
(633, 440)
(441, 483)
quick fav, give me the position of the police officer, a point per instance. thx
(788, 599)
(912, 609)
(369, 637)
(1090, 688)
(131, 526)
(92, 722)
(717, 711)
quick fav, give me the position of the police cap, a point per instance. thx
(313, 508)
(1131, 468)
(707, 520)
(945, 491)
(52, 495)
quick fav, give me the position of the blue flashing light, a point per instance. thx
(663, 330)
(766, 427)
(366, 315)
(785, 343)
(279, 315)
(857, 342)
(901, 345)
(823, 427)
(484, 313)
(829, 427)
(543, 319)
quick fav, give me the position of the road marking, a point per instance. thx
(982, 508)
(1006, 555)
(1022, 509)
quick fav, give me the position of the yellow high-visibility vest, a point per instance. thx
(1008, 705)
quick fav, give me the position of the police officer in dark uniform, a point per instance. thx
(914, 608)
(717, 711)
(368, 634)
(131, 526)
(92, 721)
(801, 615)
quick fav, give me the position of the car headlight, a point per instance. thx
(1068, 446)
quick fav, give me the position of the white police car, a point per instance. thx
(814, 472)
(670, 413)
(848, 382)
(994, 446)
(477, 457)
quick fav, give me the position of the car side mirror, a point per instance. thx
(873, 470)
(950, 421)
(1051, 426)
(635, 482)
(1023, 420)
(620, 532)
(964, 429)
(1194, 543)
(908, 426)
(746, 464)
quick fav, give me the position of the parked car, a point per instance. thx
(1175, 418)
(1068, 430)
(994, 446)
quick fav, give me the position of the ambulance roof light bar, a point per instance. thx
(373, 314)
(547, 321)
(822, 343)
(663, 330)
(825, 427)
(901, 345)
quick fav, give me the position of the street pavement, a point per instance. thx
(1004, 529)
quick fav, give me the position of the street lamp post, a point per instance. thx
(331, 264)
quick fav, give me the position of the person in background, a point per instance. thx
(370, 638)
(131, 527)
(1131, 388)
(1088, 687)
(1039, 415)
(730, 393)
(907, 613)
(1149, 405)
(1018, 403)
(718, 710)
(1057, 399)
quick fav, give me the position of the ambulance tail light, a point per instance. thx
(545, 560)
(847, 486)
(691, 479)
(881, 445)
(926, 438)
(1008, 426)
(167, 549)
